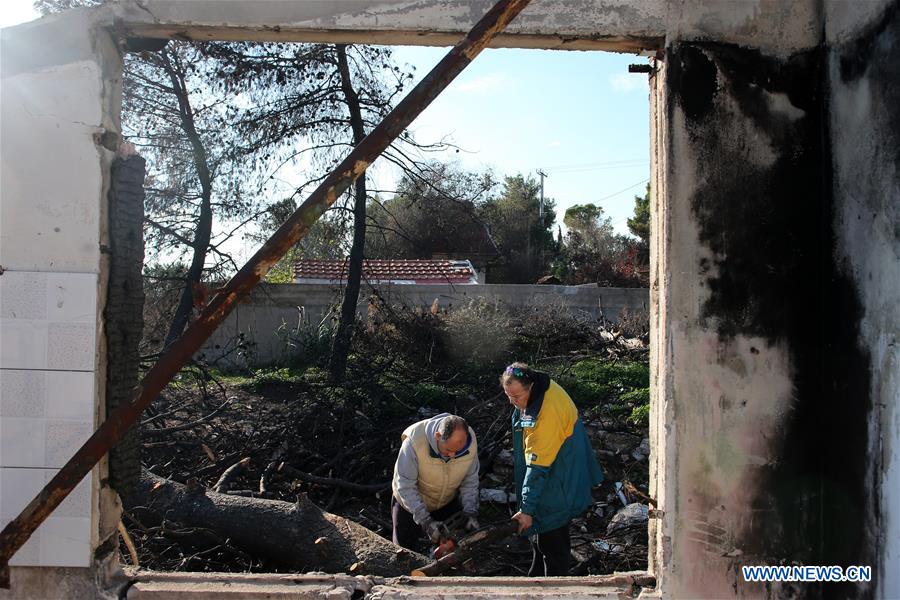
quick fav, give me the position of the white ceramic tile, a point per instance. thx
(71, 297)
(70, 346)
(18, 487)
(22, 442)
(29, 555)
(58, 542)
(78, 502)
(63, 439)
(48, 320)
(66, 542)
(64, 538)
(69, 395)
(23, 344)
(23, 295)
(22, 393)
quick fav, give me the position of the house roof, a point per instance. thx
(380, 271)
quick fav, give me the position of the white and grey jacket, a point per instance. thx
(425, 481)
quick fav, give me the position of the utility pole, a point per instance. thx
(541, 205)
(541, 219)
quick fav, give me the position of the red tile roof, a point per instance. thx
(406, 271)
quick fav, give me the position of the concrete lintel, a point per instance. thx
(777, 28)
(622, 25)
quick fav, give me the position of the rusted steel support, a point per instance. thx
(17, 532)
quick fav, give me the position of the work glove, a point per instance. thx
(472, 523)
(433, 530)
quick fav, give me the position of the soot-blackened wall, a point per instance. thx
(772, 395)
(864, 129)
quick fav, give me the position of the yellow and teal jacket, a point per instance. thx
(555, 466)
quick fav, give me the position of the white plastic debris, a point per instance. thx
(619, 493)
(633, 514)
(496, 496)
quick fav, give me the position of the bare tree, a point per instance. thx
(341, 346)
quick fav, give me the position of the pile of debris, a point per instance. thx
(288, 444)
(612, 535)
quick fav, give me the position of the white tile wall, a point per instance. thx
(63, 540)
(48, 321)
(48, 329)
(50, 214)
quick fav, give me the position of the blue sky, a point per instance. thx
(578, 116)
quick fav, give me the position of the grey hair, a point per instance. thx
(451, 423)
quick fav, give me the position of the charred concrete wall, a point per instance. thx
(780, 248)
(124, 318)
(863, 74)
(772, 324)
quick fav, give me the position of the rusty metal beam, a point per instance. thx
(17, 532)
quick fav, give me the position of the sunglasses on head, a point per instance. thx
(517, 372)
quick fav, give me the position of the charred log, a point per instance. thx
(300, 536)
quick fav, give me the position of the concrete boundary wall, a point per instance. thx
(274, 311)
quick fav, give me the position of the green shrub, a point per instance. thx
(315, 376)
(621, 375)
(268, 377)
(638, 397)
(307, 345)
(428, 394)
(478, 334)
(640, 415)
(584, 392)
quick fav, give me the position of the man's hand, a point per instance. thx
(472, 523)
(523, 519)
(433, 530)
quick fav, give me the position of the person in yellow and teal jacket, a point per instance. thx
(555, 466)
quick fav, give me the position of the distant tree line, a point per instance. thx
(442, 211)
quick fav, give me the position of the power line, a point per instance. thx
(622, 190)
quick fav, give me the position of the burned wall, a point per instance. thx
(771, 382)
(863, 73)
(123, 317)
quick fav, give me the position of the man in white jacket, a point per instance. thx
(435, 476)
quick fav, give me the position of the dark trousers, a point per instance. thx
(406, 532)
(551, 551)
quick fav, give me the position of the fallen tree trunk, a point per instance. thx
(300, 536)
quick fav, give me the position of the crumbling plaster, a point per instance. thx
(313, 586)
